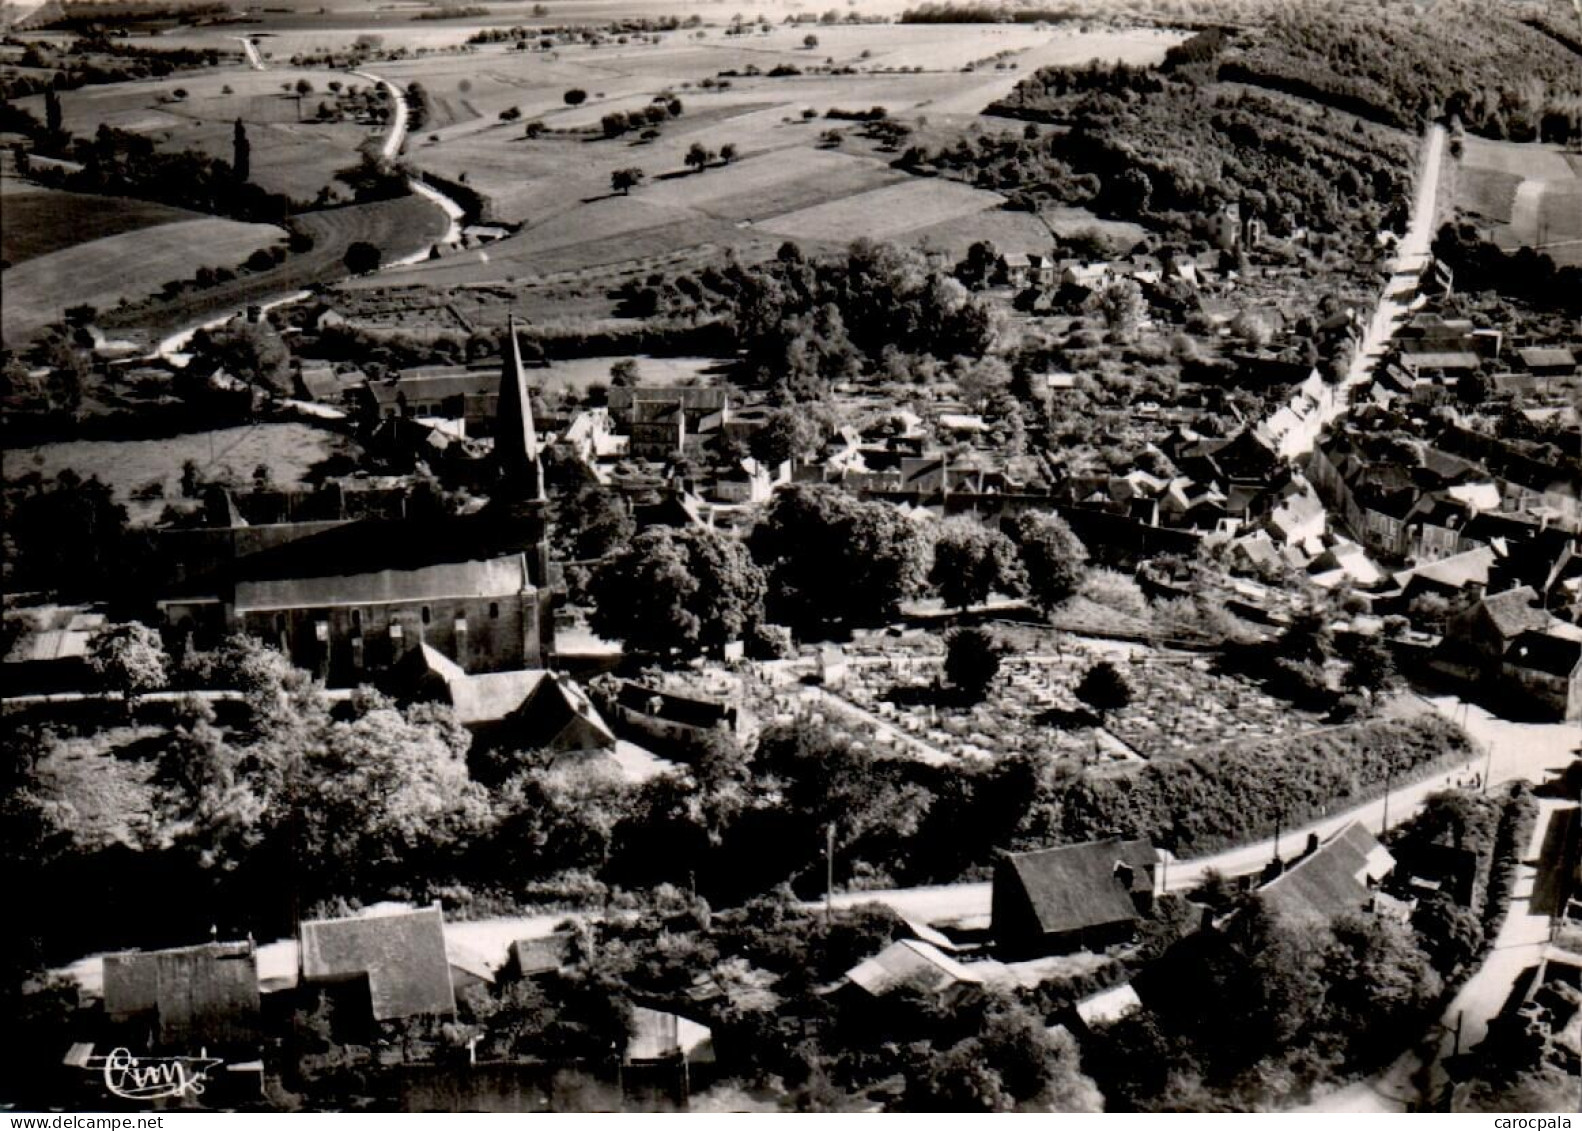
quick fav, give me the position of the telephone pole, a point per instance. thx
(829, 872)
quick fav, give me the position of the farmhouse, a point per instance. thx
(381, 967)
(1077, 896)
(185, 999)
(449, 392)
(1546, 669)
(911, 965)
(1335, 877)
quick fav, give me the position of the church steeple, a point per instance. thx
(515, 438)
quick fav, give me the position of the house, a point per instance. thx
(1546, 668)
(913, 965)
(186, 998)
(1484, 632)
(1073, 897)
(1548, 361)
(450, 392)
(661, 419)
(392, 966)
(1338, 876)
(533, 958)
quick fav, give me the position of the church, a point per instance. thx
(347, 599)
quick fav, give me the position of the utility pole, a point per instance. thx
(829, 872)
(1384, 821)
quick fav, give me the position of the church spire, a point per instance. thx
(516, 439)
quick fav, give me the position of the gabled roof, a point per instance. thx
(909, 963)
(1457, 571)
(1546, 357)
(1079, 885)
(1515, 611)
(557, 715)
(500, 577)
(402, 955)
(198, 995)
(1332, 880)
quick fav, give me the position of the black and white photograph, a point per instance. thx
(734, 556)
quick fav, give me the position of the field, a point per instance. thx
(785, 181)
(36, 221)
(399, 226)
(130, 266)
(290, 451)
(288, 156)
(1523, 195)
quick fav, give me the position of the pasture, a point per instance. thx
(399, 226)
(1523, 195)
(35, 221)
(786, 181)
(290, 153)
(128, 266)
(289, 450)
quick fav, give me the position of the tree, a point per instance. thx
(678, 592)
(982, 379)
(249, 351)
(1372, 667)
(810, 41)
(624, 373)
(1473, 388)
(972, 660)
(624, 181)
(1308, 638)
(978, 267)
(728, 152)
(52, 114)
(130, 659)
(1052, 557)
(787, 434)
(1104, 688)
(241, 153)
(593, 522)
(362, 257)
(971, 561)
(834, 560)
(575, 97)
(698, 157)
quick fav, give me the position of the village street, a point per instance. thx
(1465, 1022)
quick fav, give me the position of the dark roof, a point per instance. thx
(547, 955)
(1545, 652)
(685, 709)
(197, 995)
(692, 398)
(1077, 886)
(1514, 611)
(1332, 880)
(434, 384)
(557, 715)
(377, 545)
(402, 956)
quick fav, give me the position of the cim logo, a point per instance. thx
(150, 1078)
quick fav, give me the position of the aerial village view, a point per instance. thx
(724, 556)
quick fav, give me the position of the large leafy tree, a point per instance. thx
(678, 592)
(972, 660)
(971, 561)
(1052, 556)
(835, 561)
(130, 659)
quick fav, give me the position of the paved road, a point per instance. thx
(1518, 946)
(395, 137)
(1509, 752)
(254, 60)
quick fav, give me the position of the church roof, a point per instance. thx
(516, 439)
